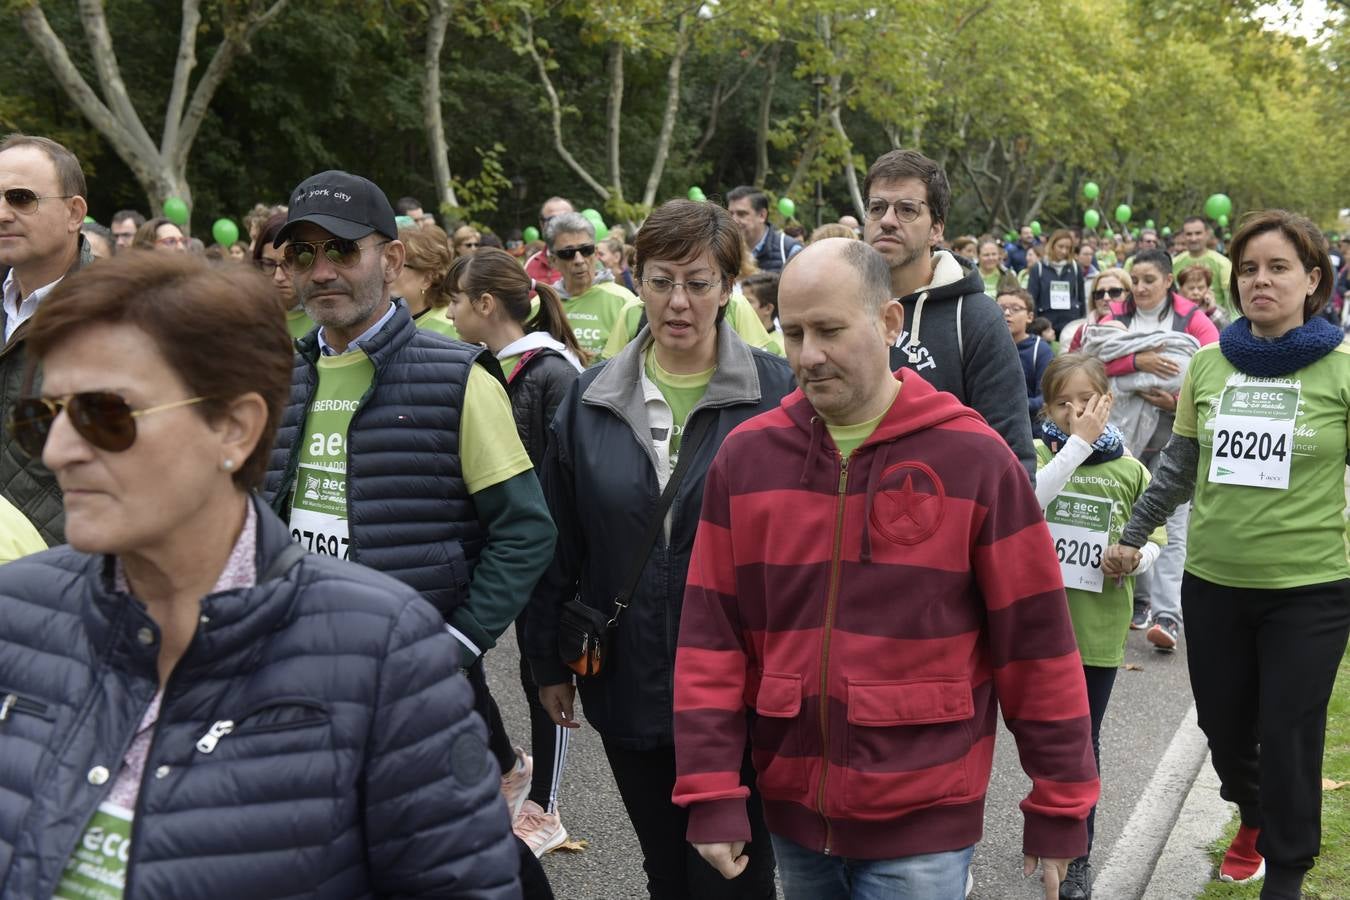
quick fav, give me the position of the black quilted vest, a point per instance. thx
(409, 512)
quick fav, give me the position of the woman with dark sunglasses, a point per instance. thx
(1104, 288)
(625, 431)
(593, 301)
(191, 705)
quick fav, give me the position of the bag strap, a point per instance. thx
(690, 447)
(284, 561)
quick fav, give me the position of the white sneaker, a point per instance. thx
(516, 783)
(541, 831)
(970, 880)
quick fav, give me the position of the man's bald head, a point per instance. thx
(823, 262)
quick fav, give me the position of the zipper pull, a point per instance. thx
(212, 737)
(843, 473)
(7, 704)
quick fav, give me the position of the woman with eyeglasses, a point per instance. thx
(160, 234)
(592, 300)
(1152, 307)
(421, 284)
(190, 704)
(271, 262)
(622, 434)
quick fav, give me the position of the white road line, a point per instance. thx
(1135, 854)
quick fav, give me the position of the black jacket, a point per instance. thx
(536, 387)
(599, 475)
(25, 481)
(955, 337)
(1039, 286)
(355, 767)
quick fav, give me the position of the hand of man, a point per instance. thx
(1121, 559)
(557, 702)
(1155, 363)
(1052, 873)
(728, 859)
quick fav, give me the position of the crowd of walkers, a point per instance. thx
(796, 520)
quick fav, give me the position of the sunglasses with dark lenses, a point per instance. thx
(570, 253)
(1103, 293)
(341, 252)
(102, 418)
(22, 200)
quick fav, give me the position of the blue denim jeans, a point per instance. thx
(808, 875)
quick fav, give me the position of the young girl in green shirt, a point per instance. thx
(1087, 484)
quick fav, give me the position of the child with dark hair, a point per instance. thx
(1035, 351)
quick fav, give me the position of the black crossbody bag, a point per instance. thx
(584, 632)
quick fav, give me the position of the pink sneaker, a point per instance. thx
(1242, 863)
(516, 783)
(541, 831)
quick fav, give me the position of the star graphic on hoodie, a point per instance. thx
(909, 504)
(906, 514)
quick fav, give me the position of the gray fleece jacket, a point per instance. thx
(956, 339)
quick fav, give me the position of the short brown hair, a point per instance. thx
(1308, 243)
(218, 327)
(681, 229)
(429, 250)
(832, 230)
(147, 235)
(898, 164)
(1196, 271)
(1021, 294)
(68, 172)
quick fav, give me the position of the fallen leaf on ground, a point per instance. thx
(1329, 785)
(570, 847)
(1133, 667)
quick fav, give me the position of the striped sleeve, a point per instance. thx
(1038, 674)
(710, 675)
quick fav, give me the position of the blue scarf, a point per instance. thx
(1109, 446)
(1271, 357)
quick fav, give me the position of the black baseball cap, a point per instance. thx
(341, 203)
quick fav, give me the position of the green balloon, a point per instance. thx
(1167, 231)
(1090, 190)
(592, 215)
(601, 231)
(404, 222)
(1149, 223)
(787, 207)
(1218, 205)
(1036, 227)
(1123, 213)
(530, 234)
(176, 211)
(1092, 218)
(1009, 236)
(1223, 220)
(696, 194)
(225, 232)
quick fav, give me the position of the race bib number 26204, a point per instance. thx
(1254, 435)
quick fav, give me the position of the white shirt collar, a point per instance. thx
(326, 349)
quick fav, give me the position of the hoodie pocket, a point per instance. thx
(908, 745)
(776, 737)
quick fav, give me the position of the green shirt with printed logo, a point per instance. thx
(681, 393)
(1259, 537)
(593, 314)
(1101, 622)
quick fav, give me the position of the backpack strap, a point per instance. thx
(284, 561)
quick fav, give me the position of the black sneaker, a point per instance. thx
(1142, 614)
(1163, 634)
(1077, 884)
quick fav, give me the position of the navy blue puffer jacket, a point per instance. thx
(355, 767)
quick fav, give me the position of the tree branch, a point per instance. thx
(672, 109)
(850, 170)
(437, 24)
(720, 97)
(762, 125)
(555, 108)
(614, 118)
(109, 75)
(182, 74)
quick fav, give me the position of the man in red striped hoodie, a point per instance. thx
(872, 578)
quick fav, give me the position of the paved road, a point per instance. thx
(1146, 708)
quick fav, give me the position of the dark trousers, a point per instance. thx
(548, 742)
(674, 869)
(1100, 680)
(534, 883)
(1262, 665)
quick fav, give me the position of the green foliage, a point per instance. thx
(478, 195)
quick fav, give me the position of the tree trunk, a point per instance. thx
(762, 125)
(614, 119)
(672, 109)
(721, 97)
(431, 105)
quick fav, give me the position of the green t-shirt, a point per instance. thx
(1221, 267)
(437, 319)
(1101, 622)
(298, 322)
(18, 537)
(1258, 537)
(681, 393)
(97, 870)
(490, 447)
(740, 315)
(991, 283)
(850, 437)
(594, 314)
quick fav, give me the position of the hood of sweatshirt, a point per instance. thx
(917, 407)
(953, 277)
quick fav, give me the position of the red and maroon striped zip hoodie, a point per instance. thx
(874, 614)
